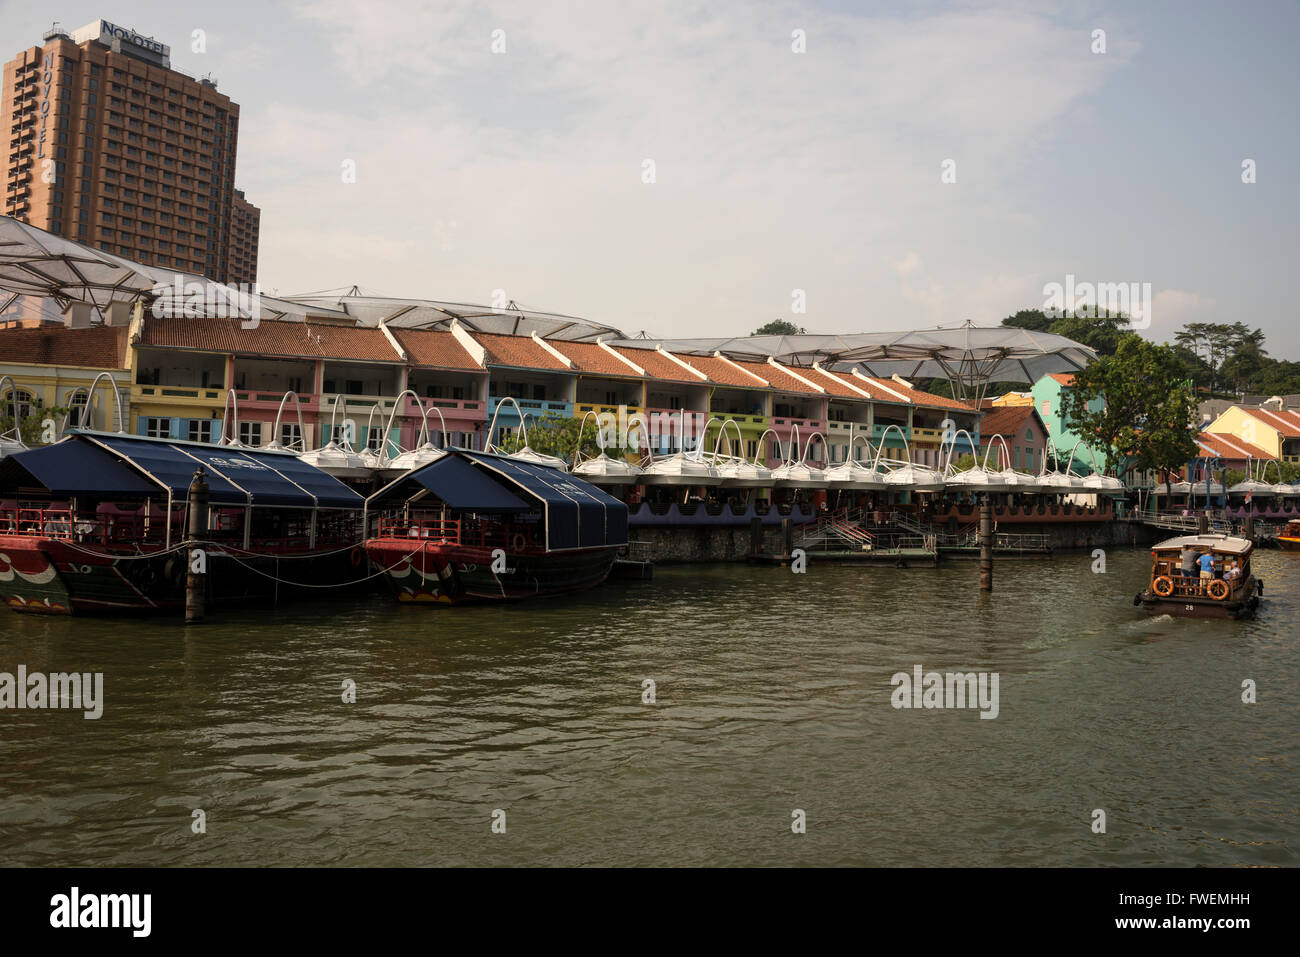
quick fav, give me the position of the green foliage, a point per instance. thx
(1229, 358)
(555, 435)
(31, 425)
(1102, 332)
(779, 327)
(1145, 421)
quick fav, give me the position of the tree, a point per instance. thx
(555, 435)
(779, 327)
(32, 425)
(1149, 406)
(1101, 332)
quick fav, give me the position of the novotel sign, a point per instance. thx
(108, 32)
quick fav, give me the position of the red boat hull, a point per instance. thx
(450, 574)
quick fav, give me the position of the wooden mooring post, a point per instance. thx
(986, 546)
(196, 581)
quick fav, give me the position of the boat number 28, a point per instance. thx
(1189, 608)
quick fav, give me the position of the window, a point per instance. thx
(200, 430)
(250, 433)
(291, 436)
(76, 403)
(158, 428)
(374, 439)
(25, 401)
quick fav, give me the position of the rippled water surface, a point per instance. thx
(773, 693)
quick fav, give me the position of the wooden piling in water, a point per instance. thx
(986, 546)
(196, 582)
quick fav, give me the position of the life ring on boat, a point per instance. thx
(1218, 589)
(519, 542)
(1163, 586)
(356, 556)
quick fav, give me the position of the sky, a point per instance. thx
(683, 169)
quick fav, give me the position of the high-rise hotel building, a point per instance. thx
(108, 145)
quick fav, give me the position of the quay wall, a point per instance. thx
(681, 544)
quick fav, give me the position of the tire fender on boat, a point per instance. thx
(357, 556)
(519, 542)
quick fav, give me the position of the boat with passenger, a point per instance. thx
(477, 526)
(1288, 538)
(98, 523)
(1202, 576)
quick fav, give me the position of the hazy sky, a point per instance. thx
(774, 171)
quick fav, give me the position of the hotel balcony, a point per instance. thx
(264, 400)
(533, 408)
(842, 430)
(755, 424)
(475, 410)
(786, 423)
(178, 395)
(878, 431)
(582, 408)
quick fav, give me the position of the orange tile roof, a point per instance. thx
(270, 338)
(917, 397)
(720, 372)
(53, 344)
(840, 385)
(1285, 421)
(1007, 420)
(519, 352)
(435, 348)
(1230, 447)
(781, 380)
(593, 360)
(1065, 378)
(659, 366)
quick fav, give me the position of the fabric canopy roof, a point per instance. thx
(72, 468)
(577, 515)
(36, 263)
(574, 513)
(243, 477)
(459, 484)
(966, 354)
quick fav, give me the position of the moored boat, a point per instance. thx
(475, 526)
(1229, 591)
(98, 524)
(1289, 536)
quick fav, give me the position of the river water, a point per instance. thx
(772, 694)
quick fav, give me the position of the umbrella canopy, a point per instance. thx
(978, 480)
(680, 469)
(855, 475)
(36, 263)
(738, 473)
(602, 470)
(915, 478)
(968, 356)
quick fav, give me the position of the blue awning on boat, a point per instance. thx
(577, 514)
(72, 467)
(462, 487)
(234, 476)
